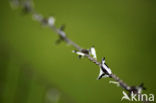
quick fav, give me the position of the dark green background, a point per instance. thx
(124, 31)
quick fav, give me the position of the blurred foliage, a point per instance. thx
(124, 31)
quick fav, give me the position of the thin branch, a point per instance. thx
(28, 8)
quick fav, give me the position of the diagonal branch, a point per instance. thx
(28, 9)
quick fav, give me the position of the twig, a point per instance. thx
(28, 8)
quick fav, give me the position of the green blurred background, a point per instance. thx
(35, 70)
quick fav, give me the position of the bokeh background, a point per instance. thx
(35, 70)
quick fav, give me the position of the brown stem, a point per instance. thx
(63, 37)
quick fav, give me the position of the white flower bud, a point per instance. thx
(93, 52)
(105, 71)
(51, 21)
(80, 54)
